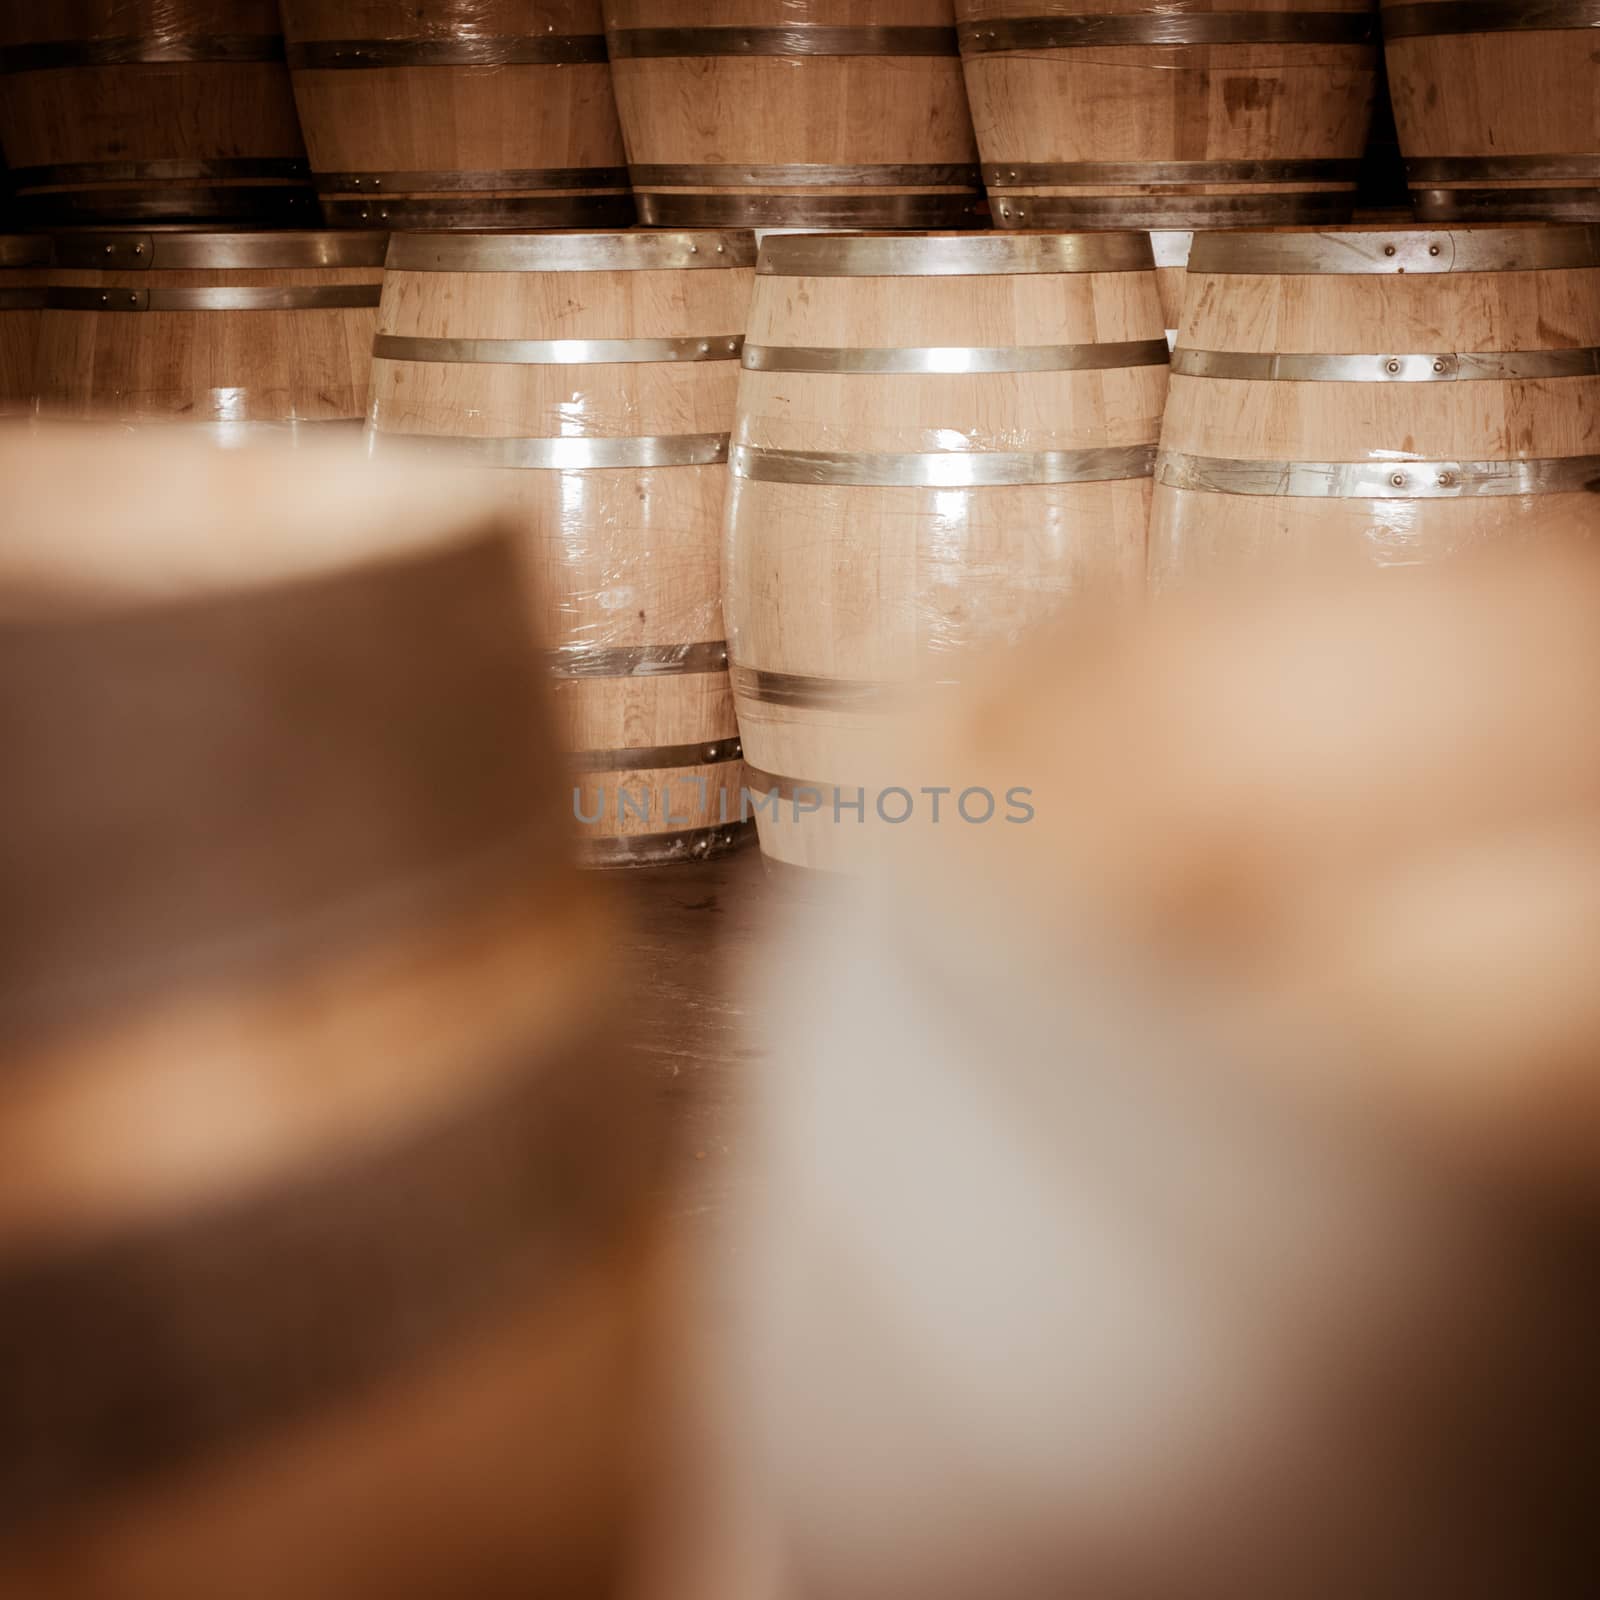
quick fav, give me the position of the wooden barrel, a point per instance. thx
(22, 256)
(243, 332)
(469, 114)
(1139, 114)
(150, 111)
(808, 114)
(590, 377)
(939, 439)
(1495, 104)
(1378, 396)
(324, 1211)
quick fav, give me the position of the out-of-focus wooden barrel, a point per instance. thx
(806, 114)
(324, 1202)
(22, 256)
(1137, 114)
(590, 377)
(150, 111)
(1495, 104)
(469, 114)
(244, 332)
(1378, 396)
(939, 439)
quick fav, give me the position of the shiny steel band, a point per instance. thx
(327, 297)
(382, 184)
(1435, 250)
(516, 50)
(799, 174)
(980, 255)
(556, 352)
(657, 758)
(140, 49)
(798, 40)
(1488, 16)
(942, 469)
(815, 693)
(1217, 27)
(957, 358)
(67, 174)
(1191, 211)
(547, 211)
(568, 455)
(595, 252)
(638, 661)
(658, 849)
(1580, 203)
(1377, 480)
(1462, 367)
(1487, 169)
(1171, 172)
(916, 212)
(201, 204)
(127, 249)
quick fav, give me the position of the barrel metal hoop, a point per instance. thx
(1488, 16)
(525, 212)
(31, 299)
(914, 212)
(133, 249)
(281, 205)
(573, 252)
(638, 660)
(813, 693)
(1400, 251)
(767, 784)
(1377, 480)
(1423, 170)
(957, 358)
(25, 250)
(325, 297)
(943, 469)
(1579, 203)
(799, 39)
(977, 255)
(557, 352)
(1158, 212)
(1218, 27)
(511, 50)
(234, 433)
(657, 757)
(141, 49)
(1169, 172)
(383, 183)
(798, 174)
(1445, 367)
(563, 455)
(68, 174)
(662, 849)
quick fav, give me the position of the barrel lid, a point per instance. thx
(616, 250)
(939, 255)
(1492, 248)
(161, 249)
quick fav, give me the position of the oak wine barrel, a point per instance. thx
(1194, 114)
(21, 305)
(246, 333)
(1384, 396)
(1495, 104)
(467, 114)
(805, 114)
(116, 111)
(939, 440)
(324, 1217)
(590, 378)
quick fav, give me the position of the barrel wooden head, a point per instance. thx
(1378, 395)
(320, 1237)
(150, 111)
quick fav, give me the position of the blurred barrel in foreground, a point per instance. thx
(939, 439)
(808, 114)
(590, 377)
(1231, 1126)
(1134, 114)
(247, 333)
(1378, 396)
(470, 114)
(21, 304)
(323, 1202)
(150, 111)
(1495, 104)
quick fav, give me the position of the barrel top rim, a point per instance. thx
(569, 249)
(1375, 249)
(952, 253)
